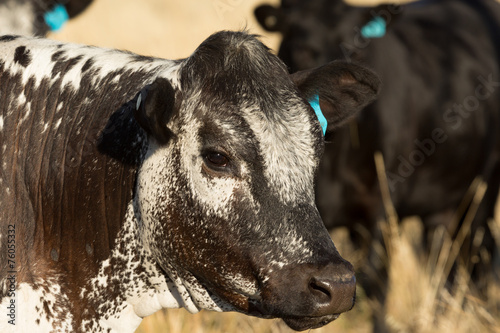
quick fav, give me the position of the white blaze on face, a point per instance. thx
(213, 193)
(287, 148)
(177, 168)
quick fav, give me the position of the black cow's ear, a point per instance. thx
(270, 18)
(74, 8)
(340, 89)
(154, 107)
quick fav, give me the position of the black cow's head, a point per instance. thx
(37, 17)
(317, 31)
(226, 190)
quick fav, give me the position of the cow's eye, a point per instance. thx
(216, 160)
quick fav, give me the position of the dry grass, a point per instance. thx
(417, 300)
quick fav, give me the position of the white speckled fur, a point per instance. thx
(140, 300)
(30, 307)
(106, 60)
(288, 151)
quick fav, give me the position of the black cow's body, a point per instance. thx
(436, 121)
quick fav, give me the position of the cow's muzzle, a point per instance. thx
(309, 296)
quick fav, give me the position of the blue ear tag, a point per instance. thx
(315, 105)
(376, 28)
(56, 18)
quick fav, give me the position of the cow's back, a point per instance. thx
(69, 149)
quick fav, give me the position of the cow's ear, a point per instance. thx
(74, 8)
(338, 89)
(270, 18)
(154, 107)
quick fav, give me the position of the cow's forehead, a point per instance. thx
(287, 144)
(240, 72)
(283, 134)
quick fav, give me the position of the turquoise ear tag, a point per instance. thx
(376, 28)
(314, 101)
(56, 18)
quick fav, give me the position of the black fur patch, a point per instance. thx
(8, 38)
(57, 55)
(228, 65)
(22, 56)
(87, 65)
(64, 65)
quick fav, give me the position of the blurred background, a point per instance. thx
(163, 28)
(415, 302)
(166, 28)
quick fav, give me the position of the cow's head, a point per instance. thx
(317, 31)
(225, 192)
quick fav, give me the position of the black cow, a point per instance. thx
(436, 121)
(37, 17)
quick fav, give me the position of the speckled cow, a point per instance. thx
(129, 184)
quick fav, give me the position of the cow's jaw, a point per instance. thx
(144, 287)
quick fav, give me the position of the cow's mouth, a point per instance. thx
(307, 323)
(297, 323)
(317, 298)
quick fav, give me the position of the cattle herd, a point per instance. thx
(129, 183)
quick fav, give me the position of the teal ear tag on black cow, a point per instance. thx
(376, 28)
(56, 17)
(314, 101)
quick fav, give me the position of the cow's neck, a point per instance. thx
(87, 233)
(130, 285)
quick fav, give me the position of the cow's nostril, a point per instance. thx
(331, 291)
(321, 290)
